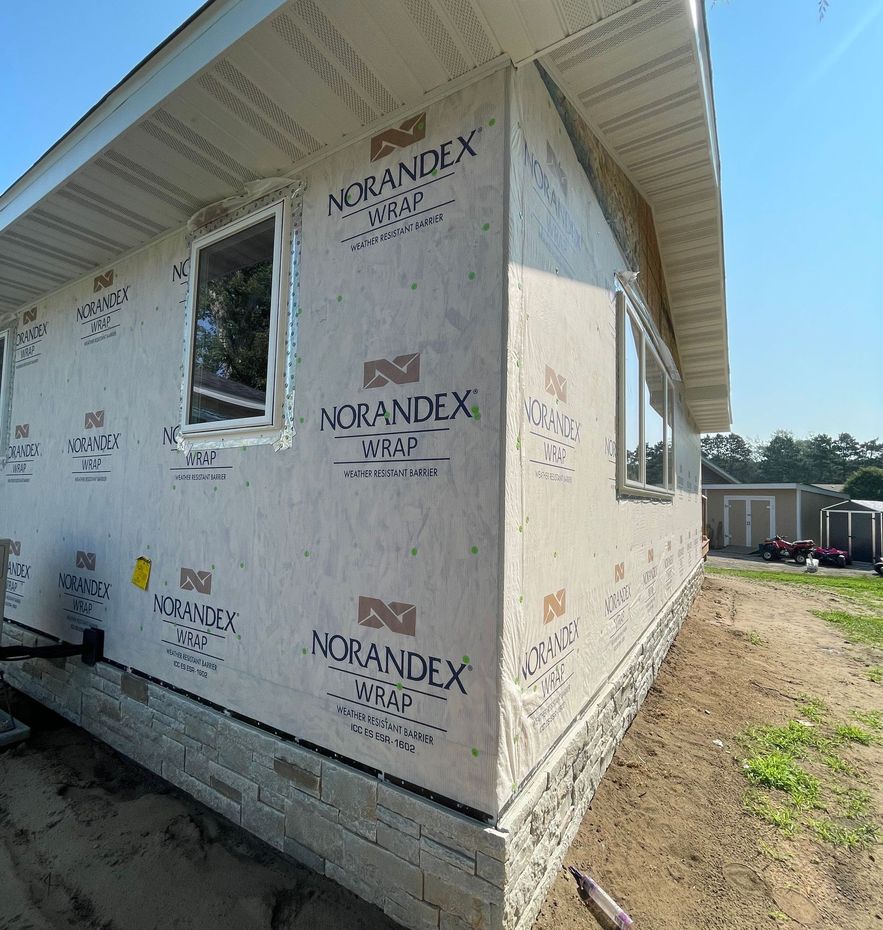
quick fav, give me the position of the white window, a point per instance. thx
(237, 323)
(645, 414)
(5, 371)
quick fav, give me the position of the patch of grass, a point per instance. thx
(854, 802)
(793, 739)
(838, 765)
(757, 803)
(875, 674)
(862, 628)
(779, 917)
(867, 591)
(862, 835)
(850, 733)
(755, 638)
(813, 709)
(870, 718)
(779, 771)
(777, 855)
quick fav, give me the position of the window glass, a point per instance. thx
(632, 399)
(669, 439)
(232, 313)
(654, 418)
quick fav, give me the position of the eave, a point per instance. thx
(254, 88)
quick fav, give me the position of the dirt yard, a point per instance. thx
(89, 840)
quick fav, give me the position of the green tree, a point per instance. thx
(849, 453)
(866, 484)
(779, 458)
(820, 460)
(730, 452)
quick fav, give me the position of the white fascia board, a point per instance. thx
(212, 31)
(751, 487)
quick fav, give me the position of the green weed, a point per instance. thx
(875, 674)
(779, 771)
(755, 638)
(838, 765)
(793, 739)
(813, 709)
(850, 733)
(757, 803)
(864, 834)
(870, 718)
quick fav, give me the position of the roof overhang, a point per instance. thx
(258, 88)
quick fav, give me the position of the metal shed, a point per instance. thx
(856, 526)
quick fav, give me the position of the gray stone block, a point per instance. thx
(134, 687)
(491, 870)
(380, 868)
(300, 778)
(264, 821)
(441, 824)
(317, 833)
(465, 861)
(478, 913)
(402, 824)
(354, 794)
(414, 914)
(404, 846)
(303, 855)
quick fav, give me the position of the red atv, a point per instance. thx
(779, 548)
(832, 556)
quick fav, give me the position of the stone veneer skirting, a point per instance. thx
(427, 867)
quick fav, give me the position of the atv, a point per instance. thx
(780, 548)
(878, 566)
(832, 556)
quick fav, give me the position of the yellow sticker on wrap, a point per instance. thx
(141, 573)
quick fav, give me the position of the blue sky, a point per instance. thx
(800, 124)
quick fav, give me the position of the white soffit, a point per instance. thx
(641, 79)
(252, 88)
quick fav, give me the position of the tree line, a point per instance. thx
(820, 459)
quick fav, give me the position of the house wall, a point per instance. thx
(596, 584)
(290, 539)
(291, 544)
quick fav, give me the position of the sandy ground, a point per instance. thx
(89, 840)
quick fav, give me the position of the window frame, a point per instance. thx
(630, 310)
(272, 418)
(7, 355)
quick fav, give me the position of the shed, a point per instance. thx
(745, 514)
(355, 360)
(856, 526)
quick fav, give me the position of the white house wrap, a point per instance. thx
(396, 617)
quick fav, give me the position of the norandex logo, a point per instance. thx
(102, 281)
(420, 166)
(84, 587)
(554, 166)
(556, 385)
(409, 131)
(210, 617)
(554, 605)
(403, 369)
(94, 419)
(22, 430)
(404, 664)
(619, 572)
(15, 547)
(547, 190)
(193, 580)
(395, 616)
(650, 555)
(417, 408)
(85, 560)
(29, 316)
